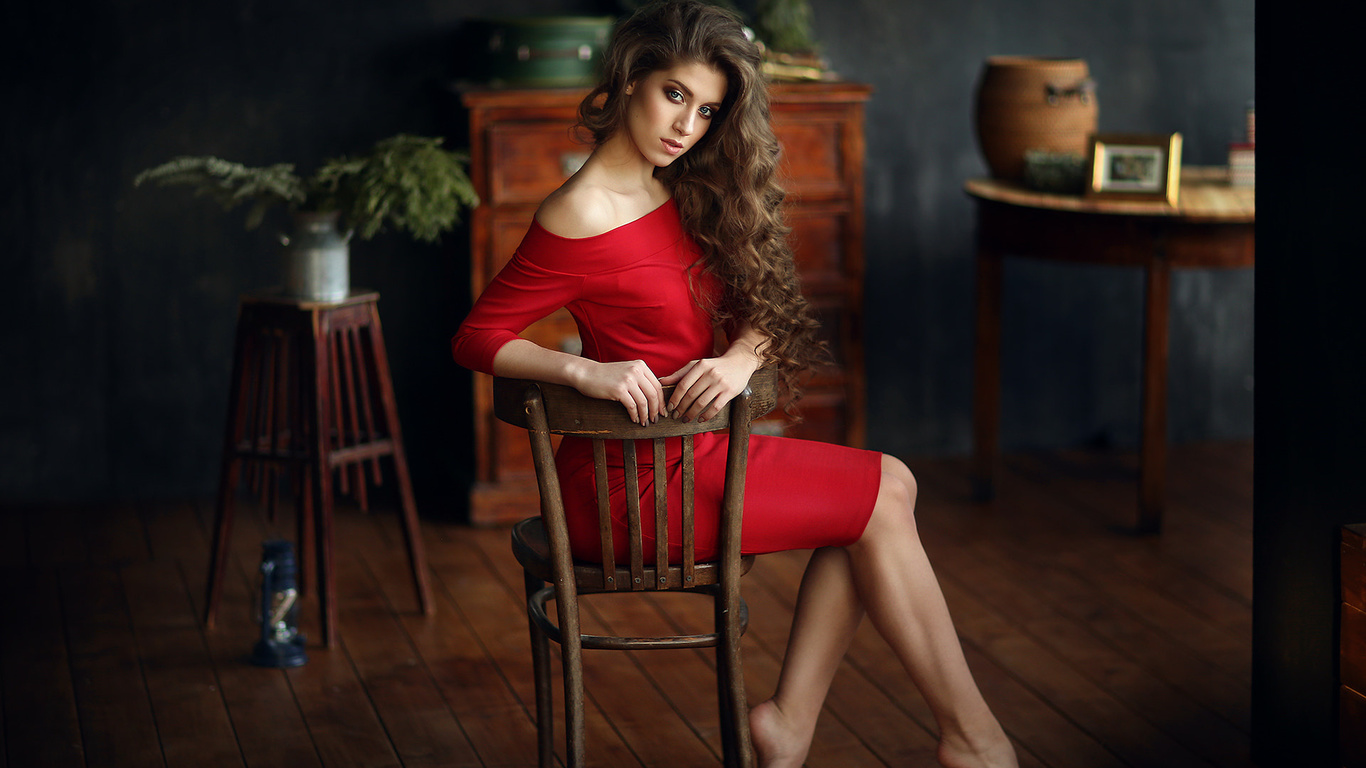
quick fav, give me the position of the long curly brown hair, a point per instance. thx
(724, 186)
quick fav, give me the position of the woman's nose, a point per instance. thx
(684, 124)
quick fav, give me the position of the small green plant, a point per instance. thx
(407, 182)
(785, 25)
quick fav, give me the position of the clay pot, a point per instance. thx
(1026, 103)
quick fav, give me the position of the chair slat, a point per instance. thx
(661, 516)
(689, 545)
(632, 470)
(609, 562)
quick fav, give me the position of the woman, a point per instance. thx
(671, 229)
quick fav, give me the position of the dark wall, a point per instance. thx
(117, 343)
(1311, 414)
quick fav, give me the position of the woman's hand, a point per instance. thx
(630, 383)
(706, 386)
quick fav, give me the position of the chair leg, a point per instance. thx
(540, 664)
(737, 750)
(726, 718)
(571, 653)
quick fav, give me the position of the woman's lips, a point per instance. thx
(671, 146)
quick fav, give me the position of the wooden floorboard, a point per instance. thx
(191, 715)
(42, 726)
(1095, 647)
(117, 725)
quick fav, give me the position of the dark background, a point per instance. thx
(120, 302)
(123, 324)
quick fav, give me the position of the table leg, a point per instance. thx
(1152, 473)
(986, 404)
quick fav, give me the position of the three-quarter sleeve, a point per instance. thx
(523, 292)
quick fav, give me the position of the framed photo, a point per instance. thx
(1135, 167)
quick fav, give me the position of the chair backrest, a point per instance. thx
(544, 409)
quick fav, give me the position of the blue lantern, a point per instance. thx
(281, 644)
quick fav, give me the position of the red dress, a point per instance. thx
(631, 292)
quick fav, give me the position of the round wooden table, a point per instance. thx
(1212, 225)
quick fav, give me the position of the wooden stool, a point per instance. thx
(304, 376)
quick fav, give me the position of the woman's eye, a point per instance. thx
(706, 112)
(674, 95)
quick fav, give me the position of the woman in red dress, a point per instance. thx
(670, 230)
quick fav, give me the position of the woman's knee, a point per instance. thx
(898, 476)
(895, 506)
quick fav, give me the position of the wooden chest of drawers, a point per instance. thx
(1352, 662)
(522, 147)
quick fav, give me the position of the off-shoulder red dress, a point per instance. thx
(632, 291)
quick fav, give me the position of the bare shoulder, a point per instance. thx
(592, 202)
(578, 210)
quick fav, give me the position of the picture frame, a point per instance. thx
(1127, 166)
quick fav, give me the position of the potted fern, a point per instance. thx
(405, 182)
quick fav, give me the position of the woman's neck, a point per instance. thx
(618, 165)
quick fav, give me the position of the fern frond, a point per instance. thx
(230, 184)
(412, 184)
(408, 182)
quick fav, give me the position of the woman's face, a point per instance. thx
(671, 109)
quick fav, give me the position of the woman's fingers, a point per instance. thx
(637, 403)
(683, 394)
(700, 394)
(677, 377)
(707, 403)
(630, 383)
(646, 398)
(654, 400)
(701, 389)
(640, 406)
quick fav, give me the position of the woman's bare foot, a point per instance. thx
(775, 744)
(989, 750)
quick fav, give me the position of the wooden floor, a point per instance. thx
(1095, 648)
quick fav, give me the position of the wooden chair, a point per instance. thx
(541, 545)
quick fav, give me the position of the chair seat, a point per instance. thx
(531, 545)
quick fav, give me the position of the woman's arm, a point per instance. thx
(630, 383)
(706, 386)
(535, 282)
